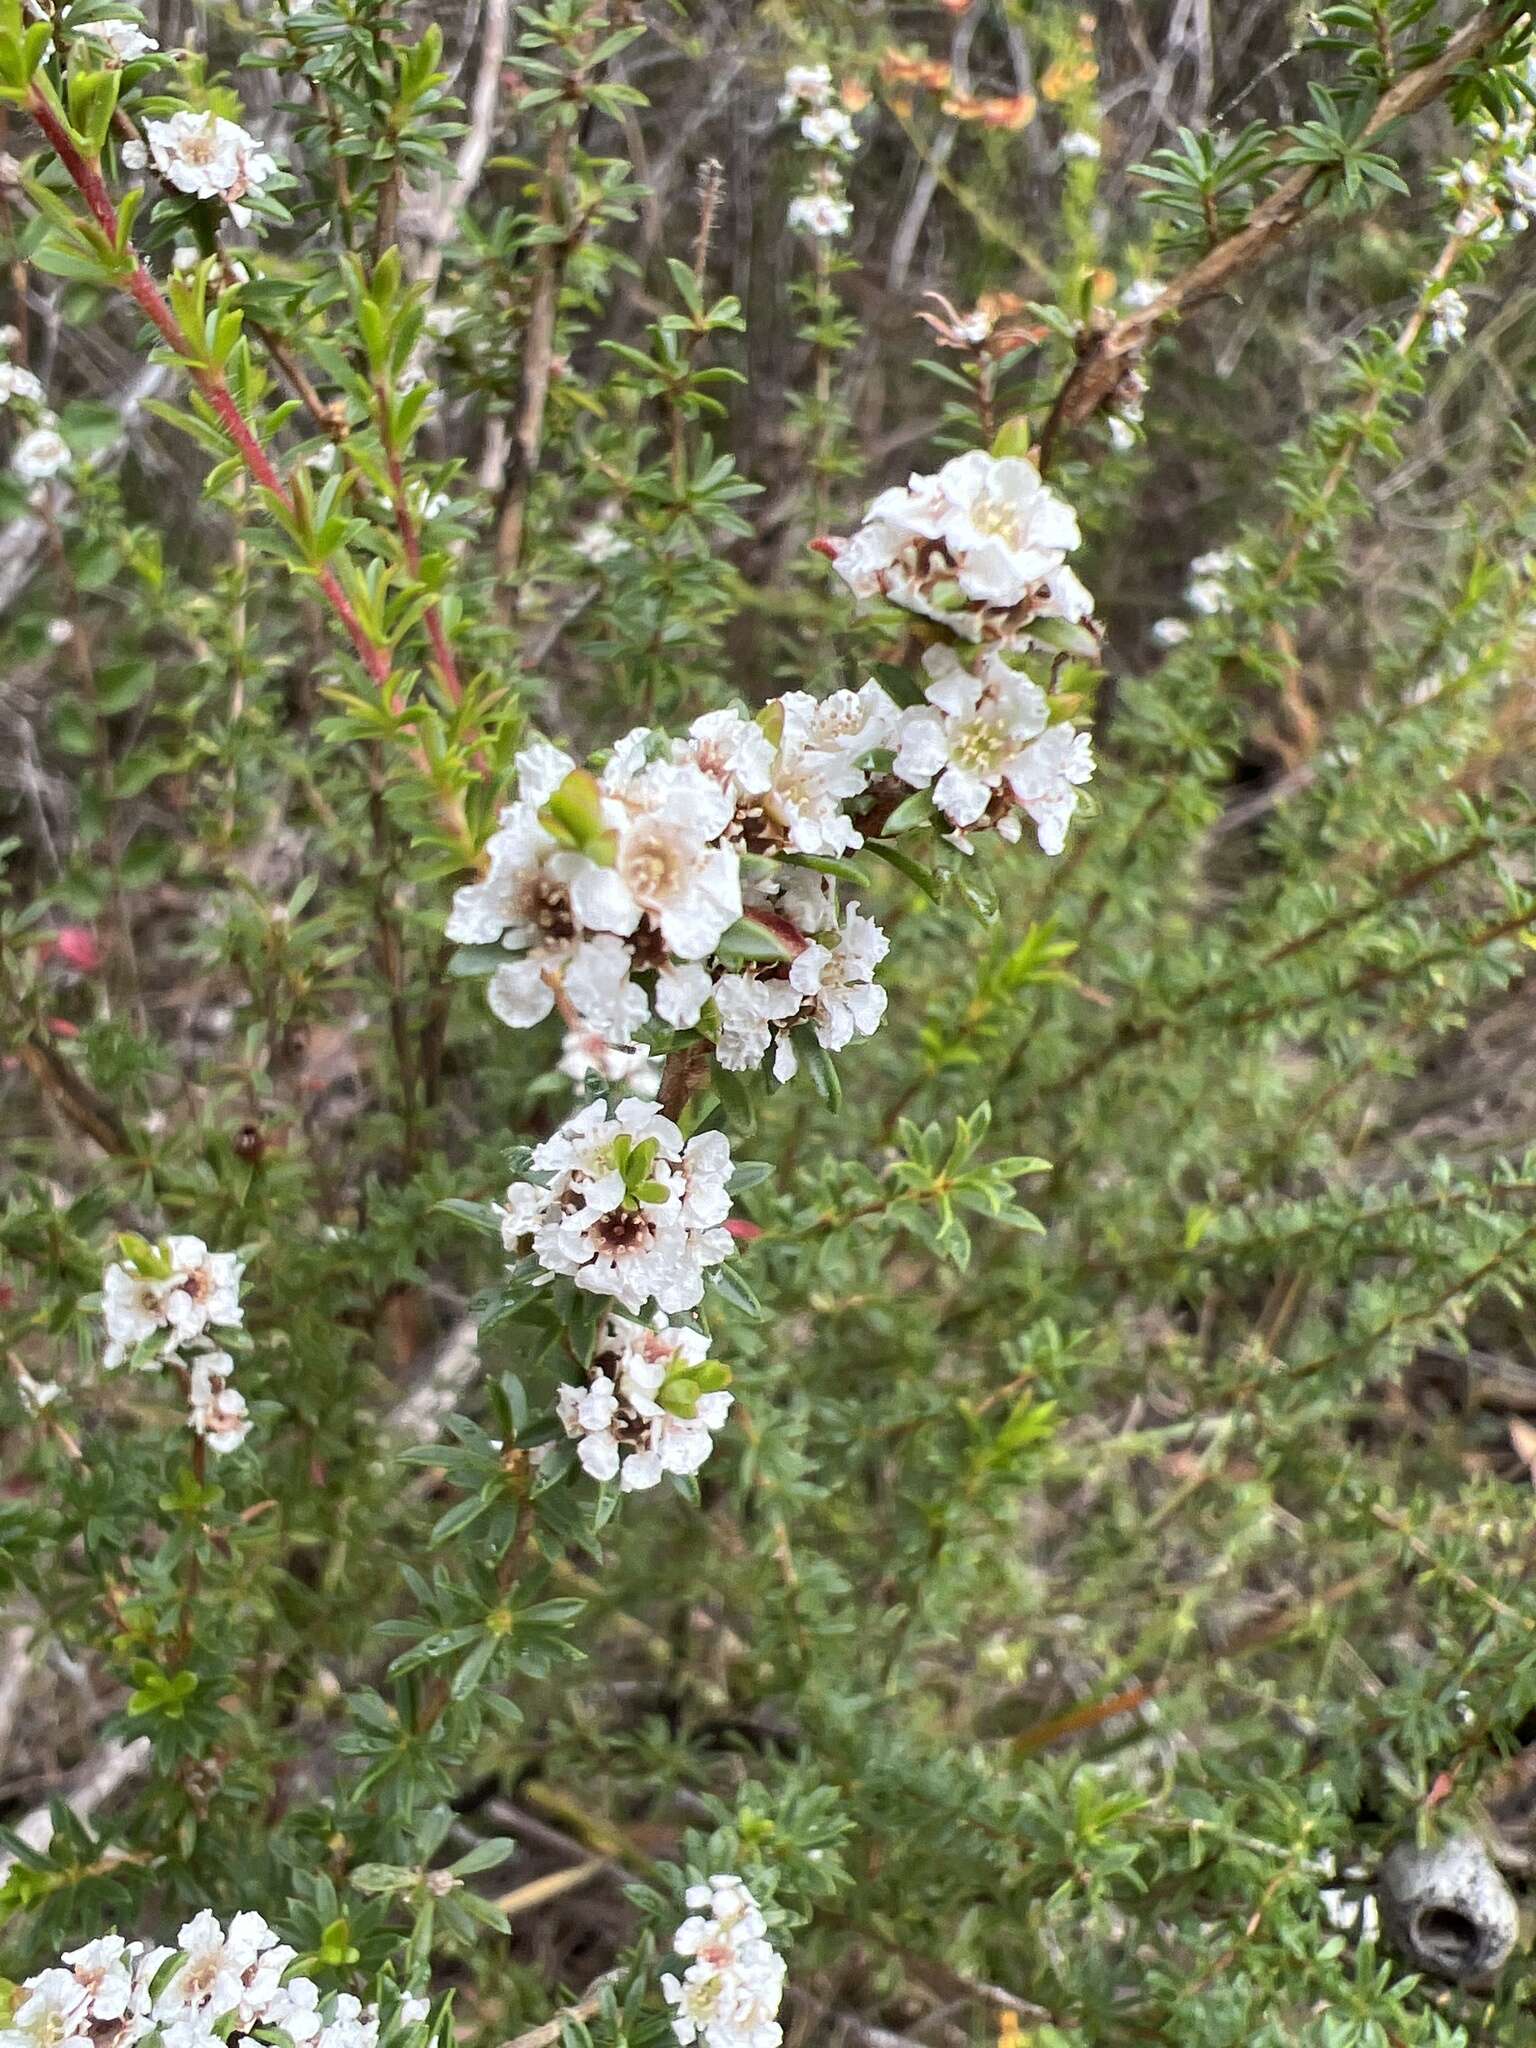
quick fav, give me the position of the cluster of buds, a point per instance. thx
(650, 1404)
(1447, 320)
(40, 453)
(824, 118)
(162, 1304)
(733, 1984)
(214, 1987)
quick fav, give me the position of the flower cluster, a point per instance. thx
(624, 1207)
(1495, 191)
(981, 549)
(161, 1305)
(665, 886)
(986, 733)
(41, 452)
(652, 1396)
(1207, 591)
(829, 984)
(215, 1986)
(206, 157)
(1447, 320)
(730, 1992)
(822, 207)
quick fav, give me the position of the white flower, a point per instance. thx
(134, 155)
(975, 726)
(40, 455)
(733, 749)
(1081, 145)
(805, 85)
(1045, 779)
(1171, 632)
(295, 2008)
(838, 981)
(124, 39)
(591, 974)
(187, 1291)
(16, 381)
(631, 1066)
(981, 546)
(517, 902)
(540, 898)
(209, 1982)
(114, 1976)
(626, 1208)
(852, 722)
(215, 1410)
(1207, 591)
(220, 1985)
(1448, 320)
(681, 993)
(1140, 293)
(53, 2013)
(209, 158)
(352, 2025)
(1521, 179)
(817, 765)
(826, 215)
(830, 128)
(807, 899)
(667, 865)
(650, 1406)
(36, 1395)
(732, 1989)
(599, 541)
(748, 1009)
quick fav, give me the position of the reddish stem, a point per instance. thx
(432, 617)
(147, 295)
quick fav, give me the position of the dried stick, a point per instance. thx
(533, 387)
(85, 1109)
(469, 165)
(585, 2008)
(103, 1773)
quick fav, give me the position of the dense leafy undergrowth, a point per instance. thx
(768, 1144)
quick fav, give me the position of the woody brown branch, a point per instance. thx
(84, 1108)
(1105, 357)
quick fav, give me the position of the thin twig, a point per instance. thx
(584, 2009)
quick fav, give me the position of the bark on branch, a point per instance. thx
(1105, 357)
